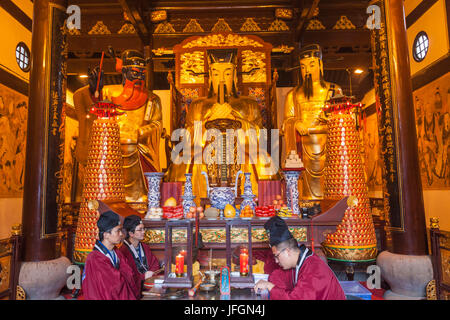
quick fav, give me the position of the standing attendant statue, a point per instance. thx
(140, 124)
(305, 125)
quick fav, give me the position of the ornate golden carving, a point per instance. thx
(193, 26)
(434, 223)
(5, 266)
(221, 26)
(194, 61)
(344, 23)
(283, 49)
(5, 247)
(127, 28)
(350, 253)
(16, 229)
(220, 40)
(250, 25)
(73, 31)
(162, 51)
(284, 13)
(278, 25)
(99, 28)
(80, 256)
(431, 290)
(164, 27)
(158, 16)
(20, 293)
(218, 235)
(251, 60)
(315, 24)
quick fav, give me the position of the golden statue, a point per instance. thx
(140, 121)
(221, 109)
(303, 114)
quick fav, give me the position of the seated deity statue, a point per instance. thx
(222, 109)
(140, 121)
(304, 116)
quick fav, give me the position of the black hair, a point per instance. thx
(290, 243)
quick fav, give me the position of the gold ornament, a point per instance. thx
(99, 28)
(434, 223)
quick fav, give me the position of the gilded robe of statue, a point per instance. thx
(140, 125)
(303, 116)
(222, 103)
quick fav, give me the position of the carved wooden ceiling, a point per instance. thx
(156, 26)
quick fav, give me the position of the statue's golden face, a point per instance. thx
(312, 66)
(222, 74)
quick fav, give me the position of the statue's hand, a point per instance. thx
(301, 128)
(93, 79)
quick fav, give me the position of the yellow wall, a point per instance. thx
(12, 33)
(410, 5)
(434, 23)
(16, 33)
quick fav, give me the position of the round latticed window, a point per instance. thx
(420, 46)
(23, 56)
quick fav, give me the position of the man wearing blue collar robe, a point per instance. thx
(303, 275)
(105, 277)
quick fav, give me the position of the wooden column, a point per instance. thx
(39, 240)
(412, 240)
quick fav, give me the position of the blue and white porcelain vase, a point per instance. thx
(248, 195)
(188, 195)
(154, 193)
(292, 194)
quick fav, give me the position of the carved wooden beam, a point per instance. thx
(136, 18)
(306, 15)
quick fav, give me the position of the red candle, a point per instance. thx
(243, 259)
(179, 265)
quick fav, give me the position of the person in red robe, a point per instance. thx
(303, 275)
(106, 275)
(137, 254)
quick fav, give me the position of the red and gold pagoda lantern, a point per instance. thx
(354, 239)
(103, 178)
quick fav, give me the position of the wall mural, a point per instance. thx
(431, 104)
(13, 133)
(372, 161)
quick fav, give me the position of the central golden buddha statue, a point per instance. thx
(220, 108)
(303, 115)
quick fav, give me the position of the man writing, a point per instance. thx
(106, 276)
(303, 275)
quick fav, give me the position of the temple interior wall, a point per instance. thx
(12, 32)
(436, 191)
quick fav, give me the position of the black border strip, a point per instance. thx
(419, 11)
(17, 14)
(431, 73)
(13, 82)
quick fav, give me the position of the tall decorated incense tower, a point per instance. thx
(354, 239)
(103, 178)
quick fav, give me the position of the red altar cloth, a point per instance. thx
(171, 189)
(267, 191)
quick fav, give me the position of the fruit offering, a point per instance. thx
(285, 212)
(229, 211)
(173, 212)
(194, 211)
(265, 211)
(247, 212)
(154, 213)
(170, 202)
(278, 202)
